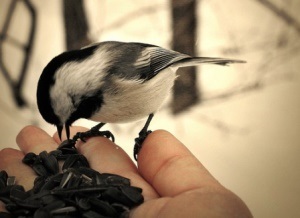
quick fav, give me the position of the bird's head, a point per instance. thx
(65, 93)
(60, 108)
(54, 105)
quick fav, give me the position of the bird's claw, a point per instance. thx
(107, 134)
(92, 133)
(80, 135)
(139, 141)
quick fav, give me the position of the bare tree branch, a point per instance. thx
(76, 26)
(184, 25)
(285, 16)
(17, 85)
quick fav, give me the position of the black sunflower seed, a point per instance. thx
(48, 199)
(113, 194)
(29, 204)
(67, 144)
(49, 162)
(11, 180)
(89, 172)
(68, 151)
(64, 210)
(50, 183)
(21, 212)
(74, 181)
(103, 207)
(5, 215)
(133, 193)
(76, 162)
(65, 178)
(78, 191)
(18, 193)
(83, 203)
(5, 192)
(55, 153)
(92, 214)
(111, 179)
(3, 179)
(40, 194)
(38, 183)
(42, 212)
(40, 170)
(5, 199)
(54, 205)
(120, 208)
(29, 158)
(11, 206)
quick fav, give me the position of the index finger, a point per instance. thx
(34, 139)
(170, 167)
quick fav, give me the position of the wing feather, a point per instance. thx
(141, 61)
(154, 59)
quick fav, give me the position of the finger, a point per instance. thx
(11, 162)
(105, 156)
(34, 139)
(170, 167)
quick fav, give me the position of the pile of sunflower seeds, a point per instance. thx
(74, 191)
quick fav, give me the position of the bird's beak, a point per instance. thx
(67, 127)
(60, 129)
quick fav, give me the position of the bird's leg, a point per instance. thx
(94, 131)
(142, 136)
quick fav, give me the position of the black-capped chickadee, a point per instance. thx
(110, 82)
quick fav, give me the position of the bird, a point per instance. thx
(111, 82)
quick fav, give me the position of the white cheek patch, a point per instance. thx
(75, 79)
(61, 104)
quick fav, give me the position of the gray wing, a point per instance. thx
(154, 59)
(143, 61)
(137, 61)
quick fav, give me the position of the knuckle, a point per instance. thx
(6, 155)
(26, 130)
(6, 152)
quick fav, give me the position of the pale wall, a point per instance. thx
(251, 142)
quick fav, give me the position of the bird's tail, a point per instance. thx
(187, 62)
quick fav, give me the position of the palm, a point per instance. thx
(174, 182)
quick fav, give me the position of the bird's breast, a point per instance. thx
(131, 100)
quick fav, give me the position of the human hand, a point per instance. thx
(174, 182)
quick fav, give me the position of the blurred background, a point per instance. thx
(242, 122)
